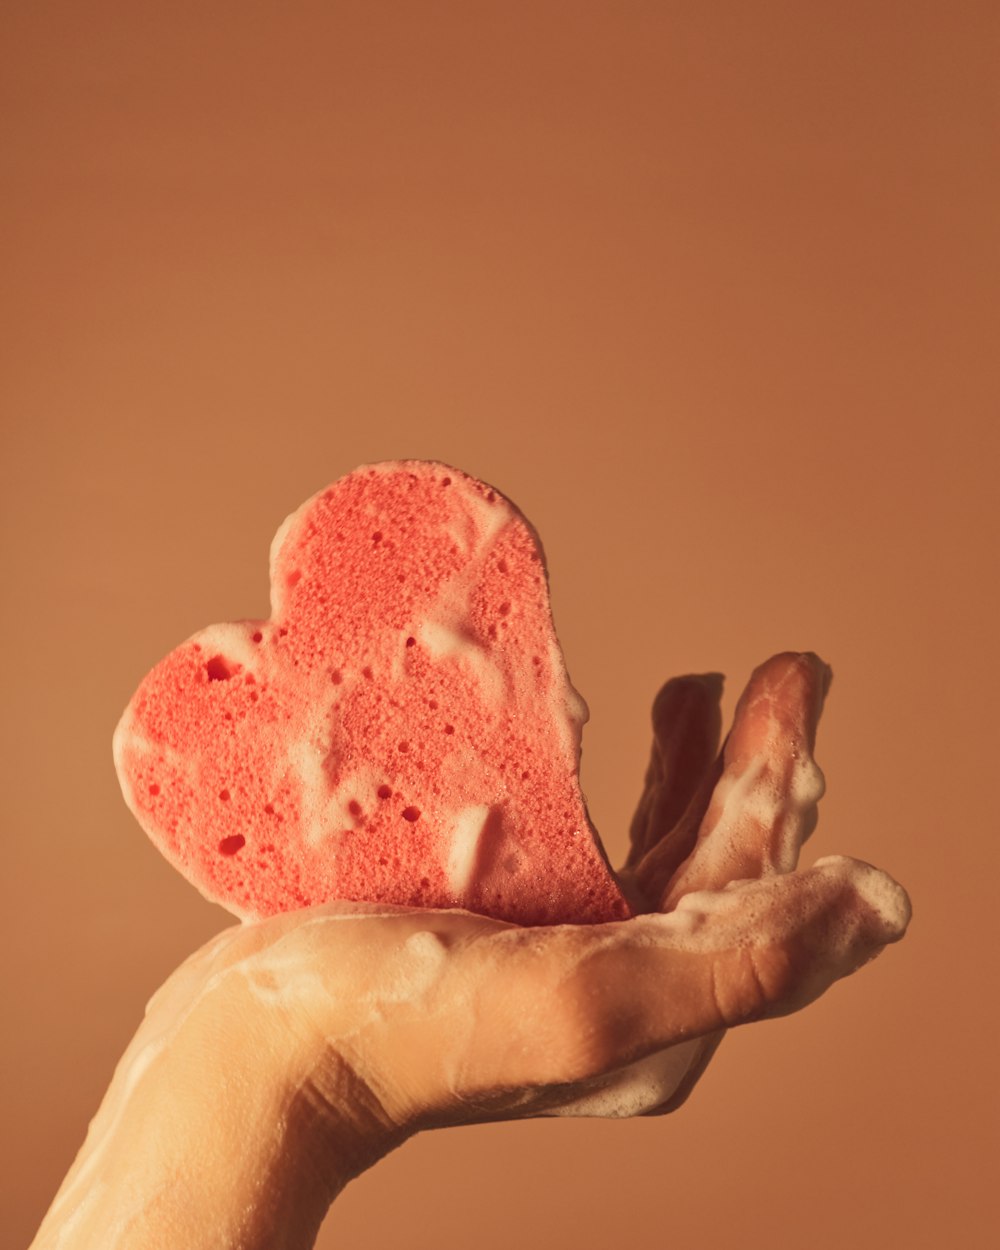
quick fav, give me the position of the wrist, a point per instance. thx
(223, 1126)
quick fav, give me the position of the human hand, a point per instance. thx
(288, 1055)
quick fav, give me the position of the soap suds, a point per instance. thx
(639, 1088)
(465, 835)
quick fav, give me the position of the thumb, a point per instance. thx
(581, 1001)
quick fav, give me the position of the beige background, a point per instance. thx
(709, 289)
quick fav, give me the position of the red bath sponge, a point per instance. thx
(401, 729)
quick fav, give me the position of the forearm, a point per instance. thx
(211, 1135)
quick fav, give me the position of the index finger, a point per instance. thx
(686, 729)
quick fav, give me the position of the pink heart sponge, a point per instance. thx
(401, 729)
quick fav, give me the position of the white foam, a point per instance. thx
(463, 536)
(360, 786)
(127, 738)
(768, 806)
(464, 842)
(444, 639)
(771, 910)
(232, 642)
(885, 896)
(570, 712)
(277, 542)
(306, 760)
(488, 518)
(640, 1088)
(82, 1185)
(410, 973)
(281, 975)
(91, 1201)
(808, 782)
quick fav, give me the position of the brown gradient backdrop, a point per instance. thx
(709, 290)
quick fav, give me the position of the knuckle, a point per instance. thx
(750, 985)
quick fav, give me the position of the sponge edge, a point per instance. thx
(402, 729)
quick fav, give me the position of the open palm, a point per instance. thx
(288, 1055)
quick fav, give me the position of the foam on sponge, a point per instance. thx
(401, 729)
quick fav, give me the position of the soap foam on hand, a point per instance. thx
(401, 729)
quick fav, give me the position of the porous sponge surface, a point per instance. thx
(400, 730)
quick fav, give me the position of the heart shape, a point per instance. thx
(401, 729)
